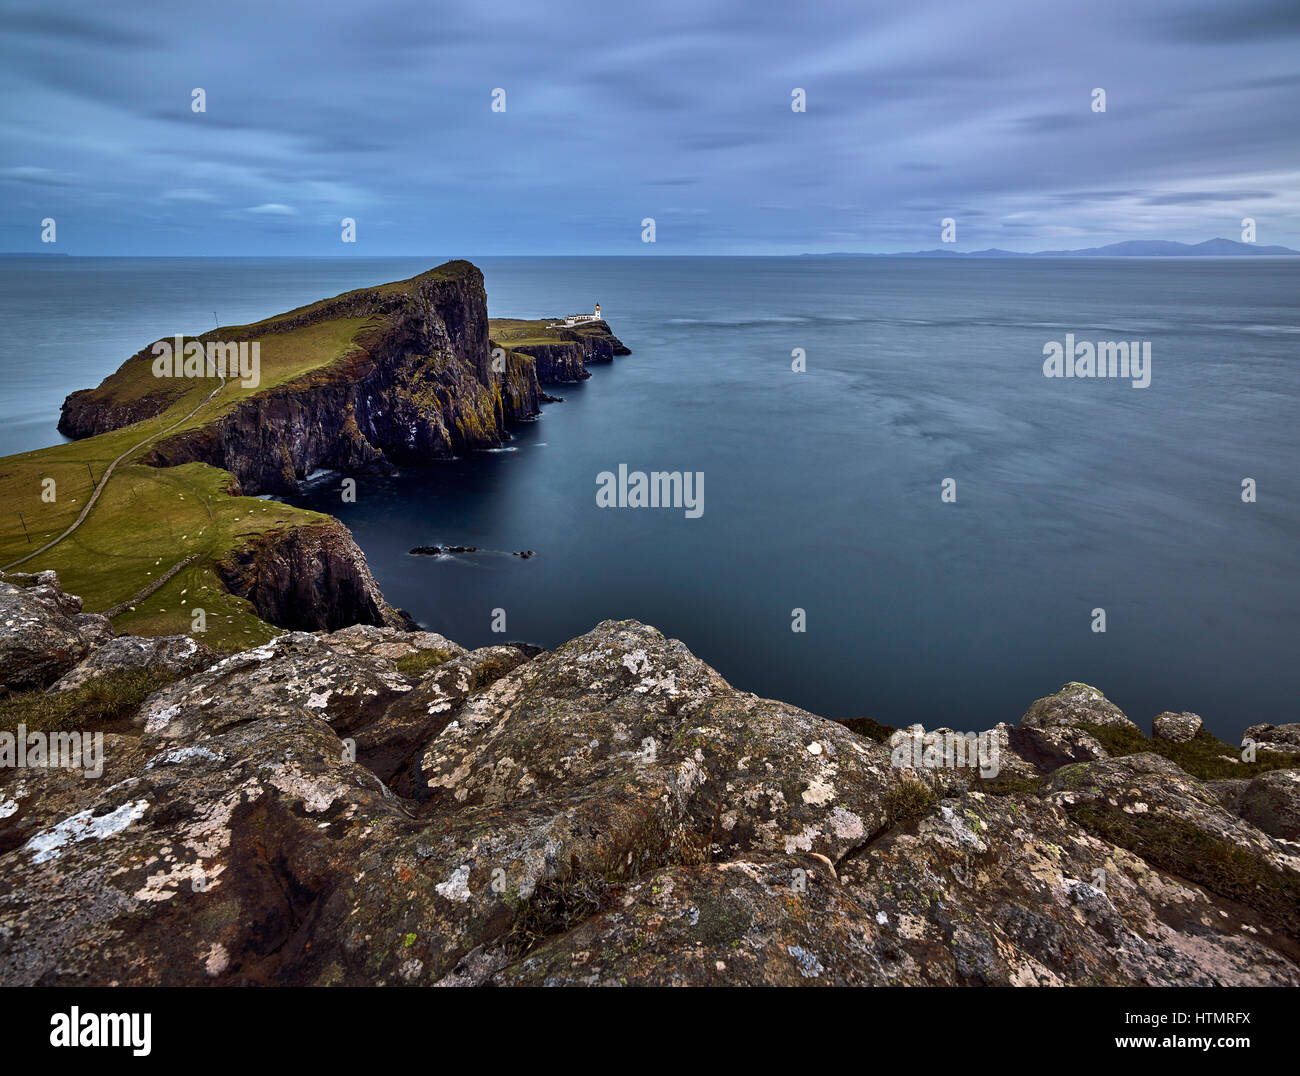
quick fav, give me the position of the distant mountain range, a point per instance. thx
(1134, 248)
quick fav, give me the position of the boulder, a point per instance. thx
(1075, 704)
(1272, 802)
(36, 798)
(1010, 891)
(388, 744)
(1284, 739)
(1228, 791)
(177, 655)
(43, 631)
(612, 811)
(1147, 804)
(292, 673)
(1176, 728)
(772, 921)
(984, 890)
(1048, 749)
(388, 644)
(627, 713)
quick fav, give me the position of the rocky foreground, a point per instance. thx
(376, 806)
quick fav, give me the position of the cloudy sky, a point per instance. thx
(615, 111)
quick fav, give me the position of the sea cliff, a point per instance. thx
(417, 379)
(394, 376)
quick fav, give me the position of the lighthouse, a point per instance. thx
(598, 311)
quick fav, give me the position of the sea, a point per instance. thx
(902, 517)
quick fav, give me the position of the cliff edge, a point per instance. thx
(363, 382)
(371, 806)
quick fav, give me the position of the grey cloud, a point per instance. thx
(1241, 21)
(385, 108)
(1206, 197)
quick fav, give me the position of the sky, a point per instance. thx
(615, 112)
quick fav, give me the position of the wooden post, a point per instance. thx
(24, 523)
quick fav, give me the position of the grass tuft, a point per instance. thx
(108, 700)
(417, 664)
(1201, 757)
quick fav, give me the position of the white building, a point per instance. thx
(578, 319)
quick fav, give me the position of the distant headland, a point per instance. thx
(1133, 248)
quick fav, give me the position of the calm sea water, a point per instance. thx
(822, 489)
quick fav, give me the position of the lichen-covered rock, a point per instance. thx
(388, 744)
(178, 655)
(37, 797)
(1229, 791)
(1272, 802)
(779, 921)
(43, 631)
(984, 890)
(387, 643)
(197, 868)
(610, 812)
(294, 672)
(1147, 804)
(1075, 704)
(625, 708)
(1008, 890)
(1284, 739)
(1176, 728)
(1048, 749)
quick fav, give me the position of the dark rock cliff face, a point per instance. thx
(420, 386)
(557, 364)
(566, 360)
(87, 412)
(309, 578)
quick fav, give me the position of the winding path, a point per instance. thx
(108, 473)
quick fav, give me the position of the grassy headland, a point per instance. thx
(168, 498)
(149, 518)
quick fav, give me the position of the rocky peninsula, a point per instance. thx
(370, 381)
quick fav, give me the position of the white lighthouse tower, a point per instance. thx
(598, 311)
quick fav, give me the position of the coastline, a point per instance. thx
(376, 379)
